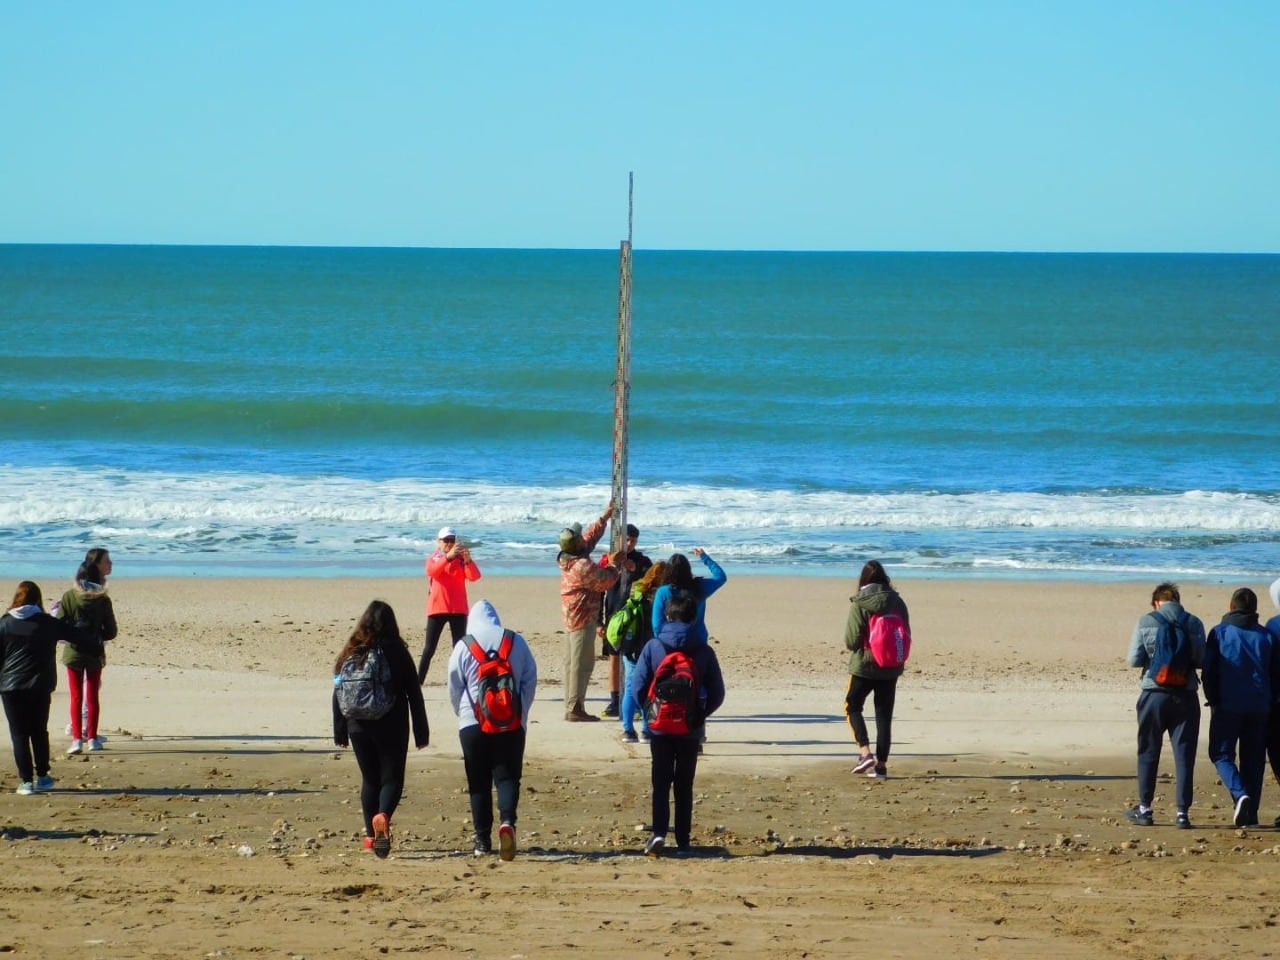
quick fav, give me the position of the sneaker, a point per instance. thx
(611, 711)
(367, 843)
(507, 842)
(630, 736)
(481, 846)
(1182, 822)
(95, 744)
(45, 783)
(25, 789)
(864, 764)
(1242, 811)
(76, 747)
(655, 845)
(645, 736)
(381, 836)
(878, 772)
(1139, 817)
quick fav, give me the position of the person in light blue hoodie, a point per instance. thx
(1241, 673)
(680, 580)
(492, 760)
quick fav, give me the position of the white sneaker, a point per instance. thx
(75, 747)
(25, 789)
(655, 846)
(95, 744)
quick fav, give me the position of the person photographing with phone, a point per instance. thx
(449, 569)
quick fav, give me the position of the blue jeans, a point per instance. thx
(630, 705)
(1227, 729)
(1178, 714)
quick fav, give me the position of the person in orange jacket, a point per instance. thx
(448, 570)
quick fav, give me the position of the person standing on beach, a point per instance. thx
(581, 584)
(29, 640)
(1241, 677)
(492, 758)
(381, 743)
(88, 609)
(1273, 722)
(680, 581)
(875, 597)
(1168, 702)
(448, 570)
(674, 756)
(635, 567)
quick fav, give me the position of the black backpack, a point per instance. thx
(1171, 662)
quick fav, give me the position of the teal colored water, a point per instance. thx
(295, 410)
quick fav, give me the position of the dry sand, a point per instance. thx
(222, 822)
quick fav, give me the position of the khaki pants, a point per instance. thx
(579, 660)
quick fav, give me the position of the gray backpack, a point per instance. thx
(364, 685)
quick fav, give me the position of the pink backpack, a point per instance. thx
(889, 639)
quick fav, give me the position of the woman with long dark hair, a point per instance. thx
(87, 608)
(381, 743)
(680, 581)
(29, 640)
(875, 597)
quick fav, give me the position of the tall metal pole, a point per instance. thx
(622, 383)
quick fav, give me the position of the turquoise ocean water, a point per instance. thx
(220, 411)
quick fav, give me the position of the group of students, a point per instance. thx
(492, 670)
(83, 621)
(1239, 664)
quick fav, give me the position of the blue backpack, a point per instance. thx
(1171, 662)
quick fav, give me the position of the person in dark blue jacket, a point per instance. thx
(1241, 671)
(674, 757)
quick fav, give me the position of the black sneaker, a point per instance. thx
(630, 736)
(611, 710)
(1183, 822)
(1241, 818)
(482, 846)
(1139, 817)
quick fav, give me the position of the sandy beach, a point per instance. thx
(222, 822)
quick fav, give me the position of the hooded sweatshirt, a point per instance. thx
(464, 680)
(87, 607)
(873, 598)
(1241, 667)
(677, 635)
(29, 640)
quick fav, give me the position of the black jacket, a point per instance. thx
(28, 652)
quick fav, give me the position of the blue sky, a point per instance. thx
(809, 126)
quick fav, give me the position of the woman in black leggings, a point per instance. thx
(381, 743)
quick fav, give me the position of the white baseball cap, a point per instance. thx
(446, 532)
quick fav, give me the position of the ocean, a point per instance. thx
(222, 411)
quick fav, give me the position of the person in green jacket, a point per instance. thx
(867, 678)
(87, 607)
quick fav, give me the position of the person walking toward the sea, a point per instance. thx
(29, 640)
(1168, 645)
(1273, 723)
(87, 608)
(448, 570)
(1241, 678)
(678, 679)
(875, 598)
(581, 584)
(680, 581)
(375, 695)
(493, 679)
(635, 567)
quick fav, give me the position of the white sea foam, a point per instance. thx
(296, 521)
